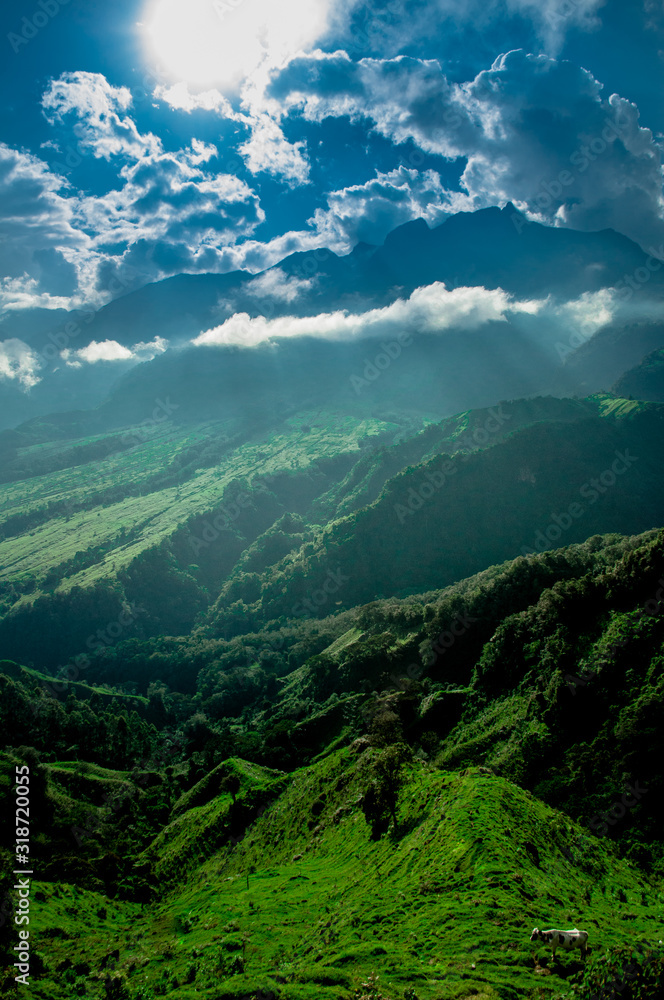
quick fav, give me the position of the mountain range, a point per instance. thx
(489, 249)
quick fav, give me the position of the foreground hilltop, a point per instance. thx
(305, 905)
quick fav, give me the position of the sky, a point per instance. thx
(140, 140)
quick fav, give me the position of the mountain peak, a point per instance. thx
(409, 232)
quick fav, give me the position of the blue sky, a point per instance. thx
(140, 140)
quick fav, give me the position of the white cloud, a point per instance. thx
(276, 284)
(111, 350)
(268, 151)
(534, 130)
(169, 197)
(180, 98)
(431, 309)
(23, 293)
(151, 348)
(361, 25)
(101, 126)
(38, 223)
(368, 212)
(552, 19)
(590, 312)
(19, 362)
(104, 350)
(265, 151)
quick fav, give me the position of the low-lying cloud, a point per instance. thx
(430, 309)
(111, 350)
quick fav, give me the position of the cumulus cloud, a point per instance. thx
(104, 350)
(101, 125)
(430, 309)
(171, 206)
(19, 363)
(151, 348)
(534, 130)
(38, 221)
(180, 98)
(276, 284)
(111, 350)
(174, 212)
(403, 98)
(268, 151)
(368, 212)
(391, 27)
(265, 151)
(590, 312)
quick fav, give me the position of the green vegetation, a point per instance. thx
(259, 778)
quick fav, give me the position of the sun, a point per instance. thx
(221, 42)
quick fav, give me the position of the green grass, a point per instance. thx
(152, 517)
(306, 904)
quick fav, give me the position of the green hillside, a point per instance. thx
(306, 905)
(290, 729)
(391, 804)
(241, 528)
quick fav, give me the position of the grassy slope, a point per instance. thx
(155, 515)
(446, 906)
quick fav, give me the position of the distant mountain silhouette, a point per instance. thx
(492, 247)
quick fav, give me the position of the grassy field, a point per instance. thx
(304, 905)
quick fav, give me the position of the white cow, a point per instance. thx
(562, 939)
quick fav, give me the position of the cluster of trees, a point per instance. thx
(576, 634)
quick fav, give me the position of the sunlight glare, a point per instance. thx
(224, 41)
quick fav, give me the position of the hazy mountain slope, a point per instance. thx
(645, 381)
(442, 520)
(159, 524)
(601, 361)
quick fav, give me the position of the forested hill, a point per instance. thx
(406, 758)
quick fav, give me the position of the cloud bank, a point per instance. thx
(430, 309)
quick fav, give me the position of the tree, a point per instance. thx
(386, 779)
